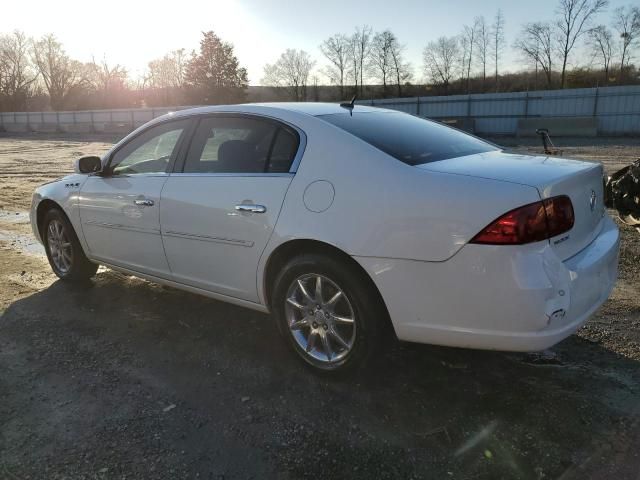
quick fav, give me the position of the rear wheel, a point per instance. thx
(328, 312)
(64, 252)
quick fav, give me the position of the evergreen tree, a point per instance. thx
(213, 75)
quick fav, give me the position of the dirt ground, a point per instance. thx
(122, 378)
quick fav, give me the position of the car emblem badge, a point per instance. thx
(592, 200)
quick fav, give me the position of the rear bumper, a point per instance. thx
(520, 298)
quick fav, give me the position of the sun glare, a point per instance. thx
(133, 33)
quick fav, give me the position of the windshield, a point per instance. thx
(412, 140)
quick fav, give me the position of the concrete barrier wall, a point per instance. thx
(94, 121)
(615, 111)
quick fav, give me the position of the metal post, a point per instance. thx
(74, 117)
(418, 106)
(469, 105)
(595, 103)
(58, 121)
(132, 124)
(526, 104)
(93, 125)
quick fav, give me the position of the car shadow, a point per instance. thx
(185, 382)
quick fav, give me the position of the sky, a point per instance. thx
(133, 32)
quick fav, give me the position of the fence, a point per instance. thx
(112, 121)
(616, 111)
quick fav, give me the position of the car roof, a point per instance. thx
(278, 110)
(308, 108)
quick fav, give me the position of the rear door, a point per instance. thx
(120, 210)
(219, 210)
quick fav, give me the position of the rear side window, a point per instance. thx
(225, 144)
(410, 139)
(283, 151)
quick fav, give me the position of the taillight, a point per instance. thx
(530, 223)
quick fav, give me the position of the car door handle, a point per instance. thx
(144, 203)
(243, 207)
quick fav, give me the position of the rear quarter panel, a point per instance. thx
(384, 208)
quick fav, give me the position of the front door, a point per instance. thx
(218, 213)
(120, 209)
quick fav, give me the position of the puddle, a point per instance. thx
(24, 243)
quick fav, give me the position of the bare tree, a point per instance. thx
(316, 90)
(354, 68)
(17, 75)
(464, 57)
(166, 75)
(360, 50)
(380, 59)
(497, 42)
(168, 71)
(291, 71)
(336, 50)
(467, 43)
(483, 45)
(575, 16)
(104, 77)
(401, 68)
(440, 58)
(536, 43)
(387, 61)
(601, 43)
(626, 21)
(59, 73)
(109, 81)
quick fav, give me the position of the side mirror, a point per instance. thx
(89, 164)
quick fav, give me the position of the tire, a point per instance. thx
(311, 327)
(64, 252)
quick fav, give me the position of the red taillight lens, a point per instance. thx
(559, 212)
(531, 223)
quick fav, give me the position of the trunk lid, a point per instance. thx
(551, 176)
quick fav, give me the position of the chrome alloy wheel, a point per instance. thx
(320, 318)
(60, 247)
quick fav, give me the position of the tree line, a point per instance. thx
(37, 74)
(470, 61)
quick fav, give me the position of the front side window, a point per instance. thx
(412, 140)
(150, 152)
(241, 145)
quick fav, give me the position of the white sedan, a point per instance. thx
(349, 224)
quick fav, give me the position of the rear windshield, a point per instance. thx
(410, 139)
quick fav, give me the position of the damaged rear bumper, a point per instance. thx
(511, 298)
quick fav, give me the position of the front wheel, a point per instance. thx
(328, 312)
(64, 252)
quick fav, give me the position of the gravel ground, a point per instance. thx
(123, 378)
